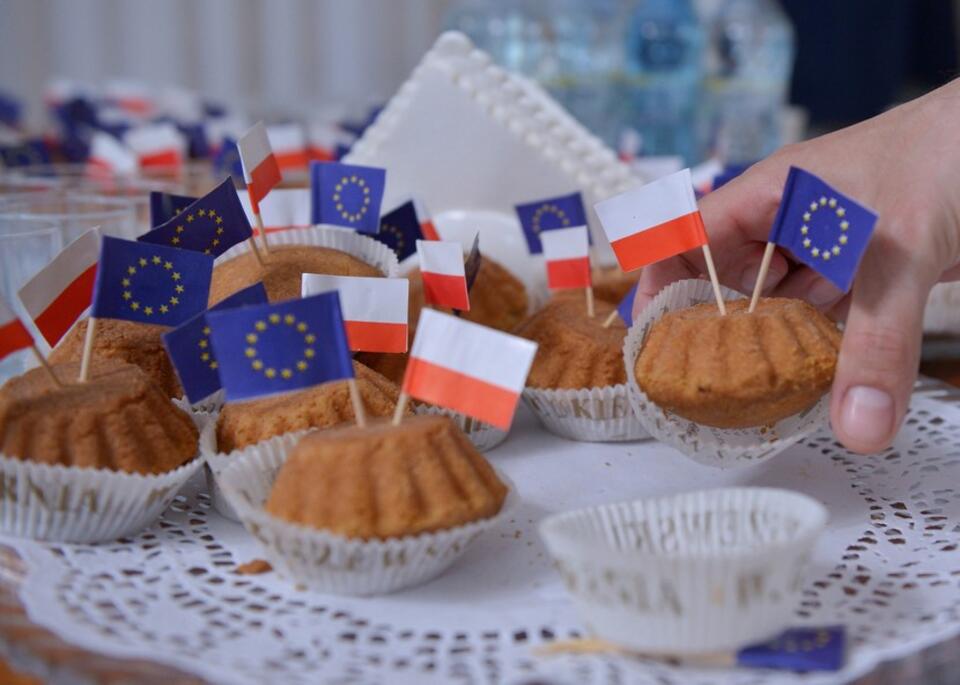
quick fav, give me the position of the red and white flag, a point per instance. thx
(260, 168)
(443, 273)
(109, 156)
(426, 221)
(13, 334)
(655, 221)
(567, 254)
(281, 210)
(469, 368)
(289, 145)
(57, 296)
(156, 145)
(374, 309)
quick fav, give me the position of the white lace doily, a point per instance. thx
(888, 568)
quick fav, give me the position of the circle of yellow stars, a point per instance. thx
(393, 230)
(345, 182)
(142, 264)
(302, 364)
(210, 215)
(830, 204)
(549, 208)
(205, 355)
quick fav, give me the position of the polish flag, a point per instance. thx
(567, 254)
(323, 139)
(260, 168)
(655, 221)
(109, 156)
(281, 210)
(443, 273)
(57, 296)
(426, 221)
(289, 145)
(13, 334)
(156, 145)
(374, 309)
(469, 368)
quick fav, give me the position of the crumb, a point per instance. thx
(255, 567)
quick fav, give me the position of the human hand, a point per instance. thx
(903, 164)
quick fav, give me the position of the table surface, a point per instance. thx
(34, 650)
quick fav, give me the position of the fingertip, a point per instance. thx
(864, 419)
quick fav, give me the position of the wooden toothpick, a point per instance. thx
(401, 408)
(359, 413)
(610, 319)
(762, 275)
(46, 366)
(712, 271)
(256, 250)
(263, 232)
(87, 349)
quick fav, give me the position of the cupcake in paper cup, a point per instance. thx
(729, 390)
(93, 461)
(693, 573)
(365, 511)
(577, 384)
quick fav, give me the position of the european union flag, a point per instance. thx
(211, 225)
(799, 649)
(11, 110)
(400, 230)
(27, 153)
(275, 348)
(150, 283)
(191, 351)
(554, 212)
(625, 308)
(227, 160)
(346, 195)
(165, 206)
(823, 228)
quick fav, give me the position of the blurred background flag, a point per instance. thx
(26, 153)
(625, 308)
(260, 169)
(444, 274)
(212, 224)
(165, 206)
(226, 160)
(289, 145)
(107, 154)
(472, 263)
(822, 227)
(13, 334)
(347, 195)
(374, 309)
(426, 220)
(157, 145)
(150, 283)
(554, 212)
(567, 254)
(275, 348)
(400, 230)
(191, 351)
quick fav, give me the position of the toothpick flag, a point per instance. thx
(799, 649)
(443, 273)
(150, 283)
(347, 195)
(226, 160)
(276, 348)
(472, 263)
(625, 308)
(14, 336)
(212, 224)
(567, 254)
(156, 145)
(281, 210)
(374, 309)
(289, 145)
(57, 296)
(109, 155)
(426, 220)
(468, 368)
(24, 153)
(400, 230)
(191, 351)
(547, 214)
(261, 171)
(165, 206)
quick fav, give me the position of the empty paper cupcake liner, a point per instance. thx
(587, 414)
(720, 447)
(327, 562)
(74, 504)
(699, 572)
(363, 247)
(483, 436)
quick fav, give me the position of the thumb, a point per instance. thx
(880, 351)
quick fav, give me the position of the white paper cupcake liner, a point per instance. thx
(83, 505)
(587, 414)
(363, 247)
(698, 572)
(720, 447)
(326, 562)
(483, 436)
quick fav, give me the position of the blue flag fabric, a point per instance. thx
(150, 283)
(346, 195)
(276, 348)
(226, 160)
(472, 263)
(799, 649)
(211, 225)
(553, 212)
(191, 351)
(11, 110)
(625, 308)
(27, 153)
(165, 206)
(823, 228)
(400, 230)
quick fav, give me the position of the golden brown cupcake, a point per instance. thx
(385, 481)
(127, 341)
(322, 406)
(611, 284)
(574, 350)
(118, 420)
(282, 271)
(742, 369)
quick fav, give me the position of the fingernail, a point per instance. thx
(823, 293)
(867, 414)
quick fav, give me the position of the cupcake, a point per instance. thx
(135, 343)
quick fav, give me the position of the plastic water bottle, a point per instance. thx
(748, 65)
(663, 61)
